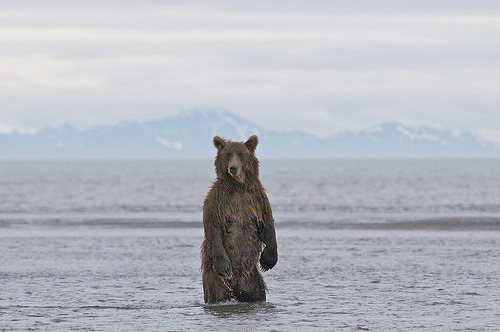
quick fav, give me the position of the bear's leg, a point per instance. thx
(252, 288)
(214, 289)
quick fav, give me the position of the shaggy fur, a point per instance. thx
(239, 227)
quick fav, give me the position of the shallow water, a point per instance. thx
(363, 245)
(148, 279)
(318, 190)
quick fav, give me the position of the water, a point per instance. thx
(364, 245)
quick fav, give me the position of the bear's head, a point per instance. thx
(237, 160)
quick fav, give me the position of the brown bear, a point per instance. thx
(239, 227)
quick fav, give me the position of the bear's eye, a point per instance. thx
(240, 155)
(229, 154)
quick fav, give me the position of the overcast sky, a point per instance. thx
(318, 66)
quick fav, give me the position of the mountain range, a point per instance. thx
(190, 134)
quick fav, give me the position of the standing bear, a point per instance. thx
(239, 227)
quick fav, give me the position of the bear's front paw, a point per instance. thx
(222, 266)
(268, 258)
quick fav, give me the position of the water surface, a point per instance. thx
(364, 245)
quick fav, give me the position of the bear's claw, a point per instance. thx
(268, 258)
(223, 268)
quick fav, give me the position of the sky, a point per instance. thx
(323, 67)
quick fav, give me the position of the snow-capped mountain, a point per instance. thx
(394, 140)
(189, 135)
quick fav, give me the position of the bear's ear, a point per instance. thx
(252, 142)
(219, 142)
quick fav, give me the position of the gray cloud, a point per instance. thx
(324, 68)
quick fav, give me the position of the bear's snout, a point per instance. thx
(233, 170)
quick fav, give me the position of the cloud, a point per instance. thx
(165, 142)
(45, 72)
(322, 68)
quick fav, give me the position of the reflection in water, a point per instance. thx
(232, 308)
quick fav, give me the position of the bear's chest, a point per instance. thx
(242, 205)
(243, 221)
(242, 211)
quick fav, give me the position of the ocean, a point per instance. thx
(364, 245)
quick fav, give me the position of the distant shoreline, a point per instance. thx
(437, 224)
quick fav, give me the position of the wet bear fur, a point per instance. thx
(238, 225)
